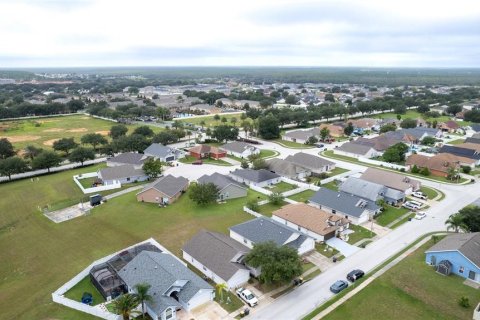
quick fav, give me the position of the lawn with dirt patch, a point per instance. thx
(282, 187)
(359, 234)
(303, 196)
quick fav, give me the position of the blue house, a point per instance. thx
(458, 254)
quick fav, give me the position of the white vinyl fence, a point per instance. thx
(76, 178)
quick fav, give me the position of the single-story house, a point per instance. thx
(475, 138)
(264, 229)
(448, 126)
(163, 153)
(364, 123)
(357, 150)
(458, 254)
(240, 149)
(356, 209)
(287, 169)
(121, 174)
(335, 131)
(302, 135)
(173, 285)
(205, 151)
(227, 187)
(438, 165)
(371, 191)
(218, 257)
(135, 159)
(259, 178)
(311, 221)
(313, 163)
(392, 180)
(464, 150)
(166, 190)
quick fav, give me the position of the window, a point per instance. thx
(334, 211)
(169, 313)
(461, 269)
(299, 229)
(128, 179)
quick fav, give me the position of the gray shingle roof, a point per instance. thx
(362, 188)
(285, 168)
(237, 146)
(343, 202)
(390, 179)
(158, 150)
(308, 161)
(303, 134)
(466, 243)
(120, 172)
(129, 158)
(459, 151)
(162, 271)
(168, 185)
(265, 229)
(255, 175)
(218, 252)
(220, 180)
(355, 148)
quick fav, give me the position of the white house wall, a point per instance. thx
(203, 296)
(235, 236)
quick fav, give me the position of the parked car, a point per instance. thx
(247, 296)
(197, 162)
(419, 195)
(338, 286)
(320, 145)
(407, 205)
(420, 215)
(355, 275)
(416, 204)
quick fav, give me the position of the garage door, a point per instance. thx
(171, 158)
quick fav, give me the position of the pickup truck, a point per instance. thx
(247, 296)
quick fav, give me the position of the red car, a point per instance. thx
(197, 162)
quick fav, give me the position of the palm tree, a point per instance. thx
(125, 304)
(202, 123)
(143, 296)
(455, 222)
(220, 288)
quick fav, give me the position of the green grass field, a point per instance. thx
(413, 114)
(43, 132)
(85, 285)
(430, 192)
(268, 208)
(291, 145)
(457, 141)
(219, 162)
(282, 187)
(302, 196)
(38, 256)
(359, 234)
(410, 290)
(211, 122)
(390, 214)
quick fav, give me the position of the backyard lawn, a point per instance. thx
(282, 187)
(389, 215)
(332, 185)
(76, 292)
(38, 256)
(268, 208)
(359, 234)
(219, 162)
(302, 196)
(410, 290)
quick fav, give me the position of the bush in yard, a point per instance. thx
(258, 164)
(244, 164)
(466, 169)
(464, 302)
(414, 169)
(275, 198)
(203, 194)
(323, 175)
(311, 141)
(425, 172)
(253, 205)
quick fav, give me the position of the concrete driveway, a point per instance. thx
(345, 248)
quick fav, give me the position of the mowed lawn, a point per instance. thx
(38, 256)
(410, 290)
(211, 122)
(43, 132)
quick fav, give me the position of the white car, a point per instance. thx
(416, 204)
(420, 215)
(410, 206)
(247, 296)
(419, 195)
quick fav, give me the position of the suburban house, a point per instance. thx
(372, 191)
(121, 174)
(218, 257)
(204, 151)
(335, 130)
(287, 169)
(135, 159)
(259, 178)
(392, 180)
(356, 209)
(464, 150)
(458, 254)
(311, 221)
(438, 165)
(227, 187)
(356, 150)
(240, 149)
(448, 126)
(302, 135)
(165, 190)
(173, 285)
(163, 153)
(264, 229)
(475, 138)
(363, 123)
(313, 163)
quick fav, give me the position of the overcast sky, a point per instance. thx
(384, 33)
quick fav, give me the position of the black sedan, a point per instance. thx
(355, 275)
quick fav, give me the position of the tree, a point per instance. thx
(6, 149)
(311, 140)
(244, 164)
(279, 264)
(434, 124)
(93, 139)
(408, 123)
(456, 222)
(220, 288)
(471, 218)
(424, 171)
(46, 160)
(414, 169)
(144, 131)
(395, 153)
(81, 154)
(275, 198)
(429, 141)
(269, 127)
(324, 133)
(247, 126)
(65, 145)
(216, 117)
(118, 130)
(143, 295)
(388, 127)
(225, 133)
(12, 165)
(31, 152)
(329, 97)
(399, 117)
(224, 120)
(133, 142)
(152, 168)
(203, 193)
(125, 305)
(466, 169)
(348, 130)
(165, 137)
(423, 109)
(202, 123)
(291, 99)
(258, 164)
(452, 173)
(233, 120)
(454, 109)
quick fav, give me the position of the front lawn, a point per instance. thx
(406, 219)
(303, 196)
(410, 290)
(85, 285)
(325, 250)
(282, 187)
(389, 215)
(457, 141)
(359, 234)
(429, 192)
(231, 302)
(219, 162)
(264, 153)
(291, 145)
(268, 208)
(337, 171)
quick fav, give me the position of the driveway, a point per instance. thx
(345, 248)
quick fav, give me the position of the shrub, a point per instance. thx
(425, 172)
(414, 169)
(253, 205)
(464, 302)
(466, 169)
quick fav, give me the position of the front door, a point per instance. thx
(471, 275)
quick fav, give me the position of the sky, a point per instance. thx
(367, 33)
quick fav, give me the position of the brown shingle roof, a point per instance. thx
(205, 148)
(390, 179)
(440, 162)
